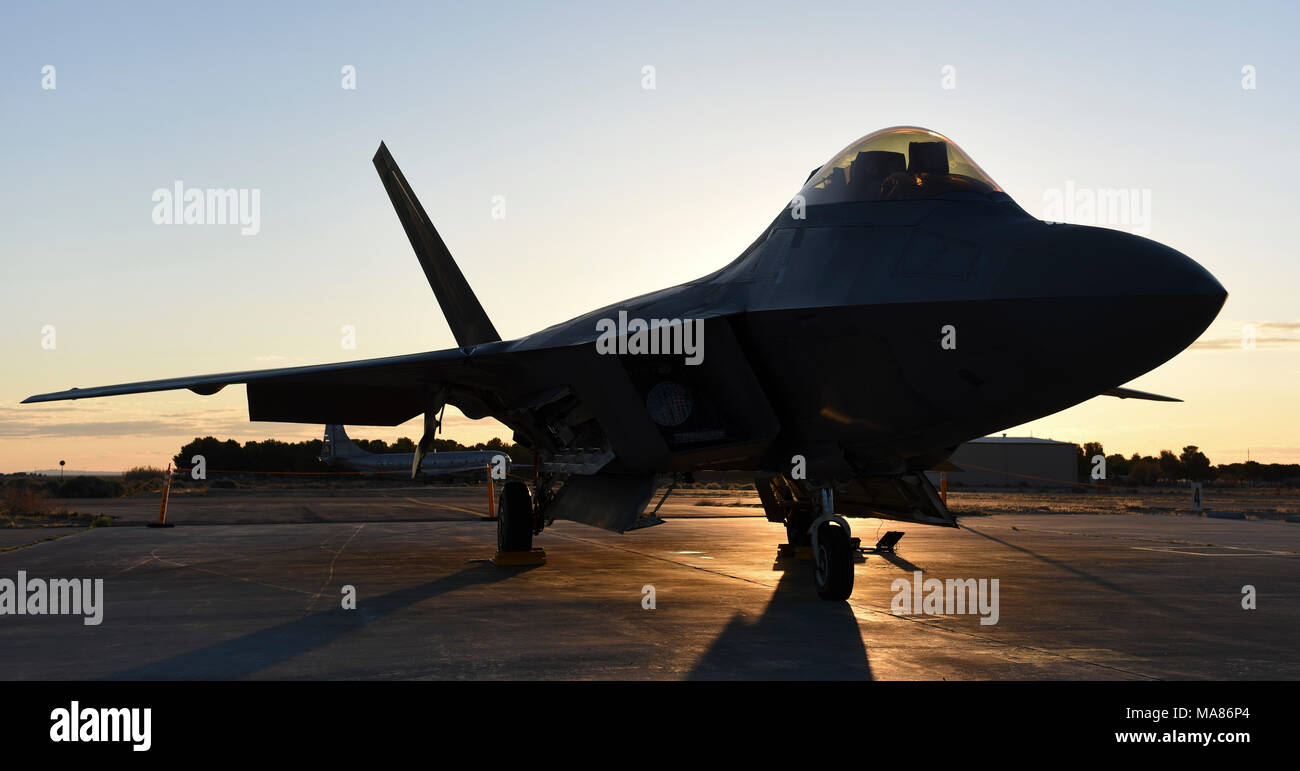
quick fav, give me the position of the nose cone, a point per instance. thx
(1161, 289)
(1146, 268)
(1178, 298)
(1118, 304)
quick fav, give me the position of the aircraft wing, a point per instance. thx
(372, 369)
(378, 392)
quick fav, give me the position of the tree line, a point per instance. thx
(1191, 465)
(304, 456)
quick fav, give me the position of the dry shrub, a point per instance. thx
(24, 499)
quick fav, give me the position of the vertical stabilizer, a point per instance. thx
(466, 317)
(338, 445)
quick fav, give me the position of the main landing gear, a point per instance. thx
(519, 518)
(514, 518)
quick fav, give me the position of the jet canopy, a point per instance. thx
(897, 164)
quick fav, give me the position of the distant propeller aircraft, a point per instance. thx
(340, 452)
(900, 305)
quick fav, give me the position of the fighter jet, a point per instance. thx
(900, 304)
(340, 452)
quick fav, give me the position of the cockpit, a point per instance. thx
(897, 164)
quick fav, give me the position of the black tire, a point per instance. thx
(833, 571)
(514, 518)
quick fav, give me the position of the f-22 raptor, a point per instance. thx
(898, 306)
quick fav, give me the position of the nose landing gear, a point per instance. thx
(833, 550)
(833, 557)
(812, 526)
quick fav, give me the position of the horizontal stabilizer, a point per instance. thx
(1129, 393)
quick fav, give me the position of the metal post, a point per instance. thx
(492, 505)
(166, 491)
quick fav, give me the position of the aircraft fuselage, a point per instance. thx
(892, 331)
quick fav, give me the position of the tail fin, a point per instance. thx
(338, 445)
(469, 323)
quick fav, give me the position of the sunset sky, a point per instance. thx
(610, 189)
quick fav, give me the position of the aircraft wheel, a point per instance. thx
(834, 563)
(514, 518)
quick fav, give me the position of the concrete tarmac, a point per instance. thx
(1081, 597)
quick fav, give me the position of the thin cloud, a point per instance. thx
(1270, 335)
(1228, 343)
(16, 430)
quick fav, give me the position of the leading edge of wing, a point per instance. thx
(207, 385)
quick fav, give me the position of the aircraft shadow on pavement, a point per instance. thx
(798, 637)
(896, 560)
(249, 654)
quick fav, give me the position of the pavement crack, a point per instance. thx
(177, 563)
(330, 575)
(134, 565)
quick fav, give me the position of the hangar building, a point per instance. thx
(1012, 461)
